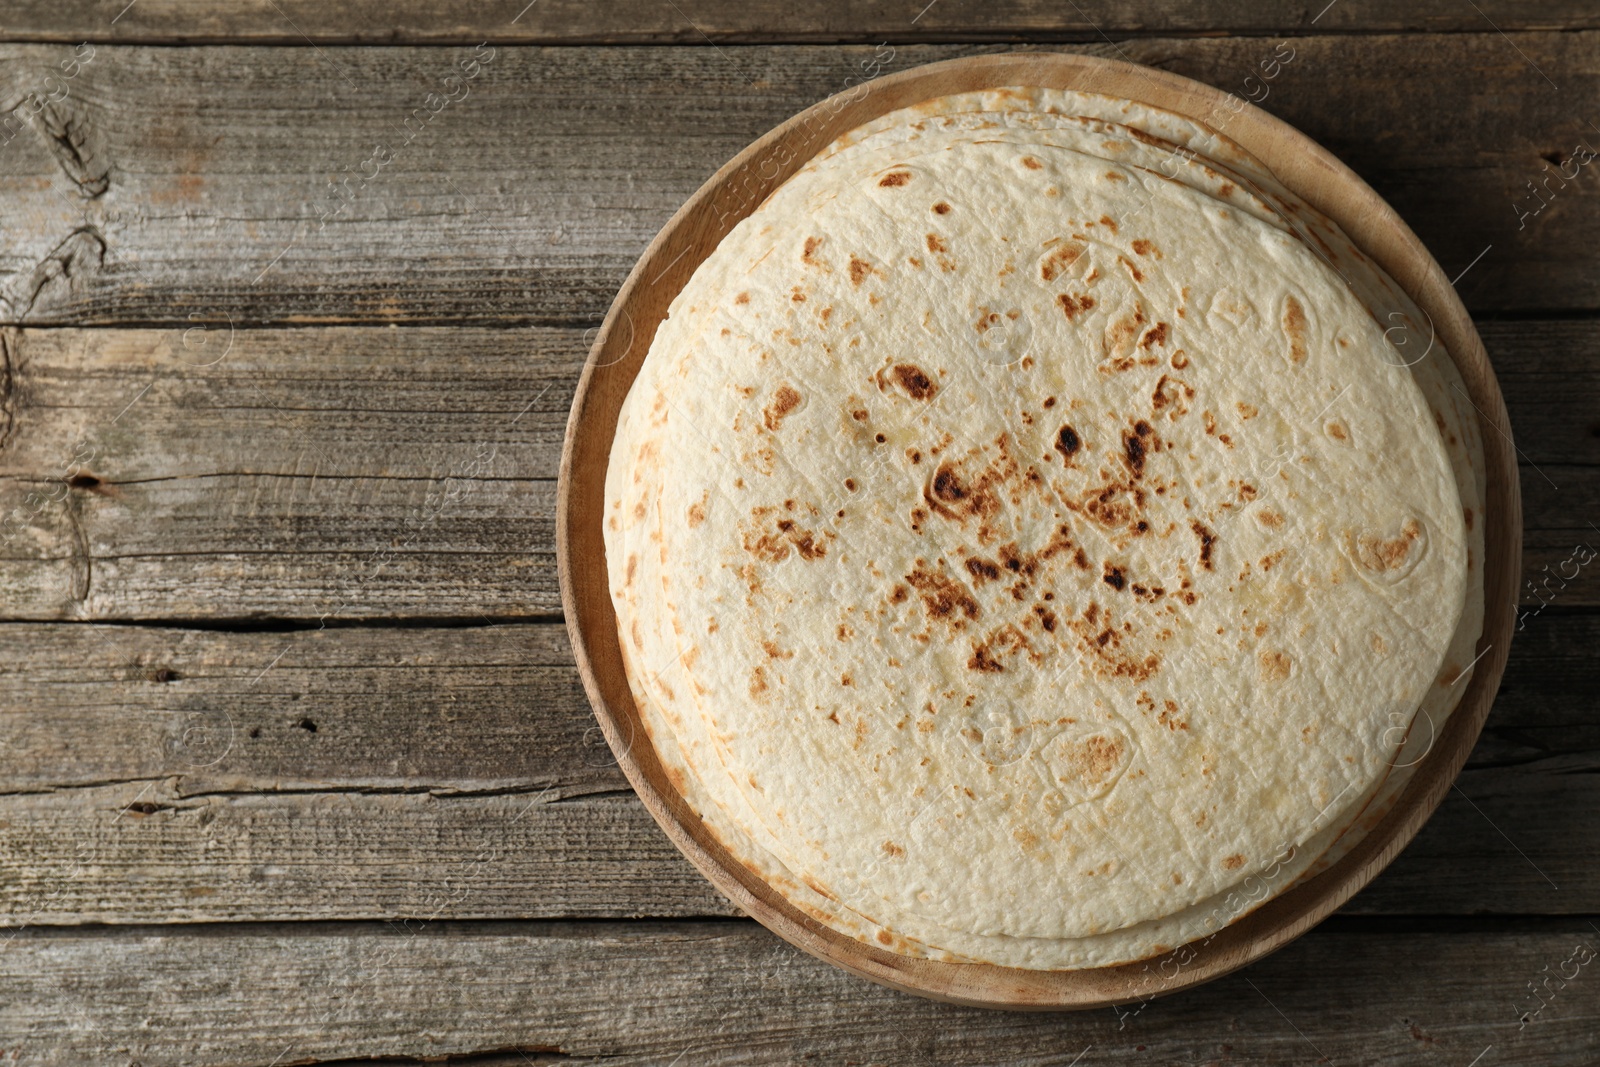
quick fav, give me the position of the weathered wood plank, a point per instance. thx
(355, 473)
(528, 197)
(457, 710)
(730, 993)
(386, 548)
(728, 21)
(415, 467)
(316, 774)
(357, 773)
(1549, 372)
(142, 853)
(1545, 709)
(414, 404)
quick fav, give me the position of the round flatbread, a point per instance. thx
(1062, 774)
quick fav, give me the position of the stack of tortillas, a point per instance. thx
(1037, 537)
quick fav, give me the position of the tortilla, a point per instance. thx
(1009, 908)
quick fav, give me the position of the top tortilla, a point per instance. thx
(1343, 537)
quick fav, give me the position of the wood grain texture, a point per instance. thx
(451, 711)
(414, 467)
(703, 21)
(141, 853)
(528, 197)
(628, 995)
(359, 773)
(345, 474)
(164, 186)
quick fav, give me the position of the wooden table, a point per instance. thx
(294, 764)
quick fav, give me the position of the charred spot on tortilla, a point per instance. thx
(915, 381)
(1068, 442)
(1071, 305)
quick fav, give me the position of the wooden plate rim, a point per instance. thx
(1304, 167)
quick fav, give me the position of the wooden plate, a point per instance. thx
(691, 234)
